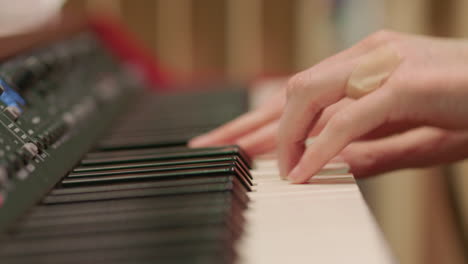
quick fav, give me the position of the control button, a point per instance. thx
(69, 119)
(30, 150)
(22, 174)
(12, 112)
(36, 120)
(57, 130)
(44, 138)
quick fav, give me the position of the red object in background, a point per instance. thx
(124, 44)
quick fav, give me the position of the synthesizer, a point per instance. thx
(94, 168)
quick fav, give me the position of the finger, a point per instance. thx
(352, 122)
(416, 148)
(308, 94)
(327, 114)
(261, 141)
(388, 129)
(245, 124)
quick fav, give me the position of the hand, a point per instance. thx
(428, 88)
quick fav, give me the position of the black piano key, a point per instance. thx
(153, 203)
(202, 253)
(230, 182)
(113, 157)
(151, 176)
(149, 169)
(132, 218)
(139, 185)
(230, 185)
(157, 168)
(150, 192)
(172, 162)
(125, 165)
(139, 218)
(118, 240)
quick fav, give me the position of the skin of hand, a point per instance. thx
(425, 95)
(255, 131)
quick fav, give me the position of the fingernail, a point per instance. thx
(309, 141)
(282, 171)
(294, 175)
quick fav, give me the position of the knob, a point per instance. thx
(29, 150)
(13, 112)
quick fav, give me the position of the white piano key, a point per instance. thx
(323, 221)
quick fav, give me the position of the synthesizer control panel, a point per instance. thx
(47, 97)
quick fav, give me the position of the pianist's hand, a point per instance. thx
(425, 97)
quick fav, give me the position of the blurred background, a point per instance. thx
(423, 212)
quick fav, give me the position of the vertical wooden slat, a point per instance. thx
(243, 38)
(441, 17)
(208, 29)
(278, 36)
(456, 18)
(408, 16)
(137, 15)
(174, 43)
(314, 33)
(443, 243)
(460, 18)
(398, 202)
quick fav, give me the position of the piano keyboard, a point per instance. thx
(141, 197)
(138, 194)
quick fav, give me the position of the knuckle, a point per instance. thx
(380, 37)
(297, 85)
(383, 35)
